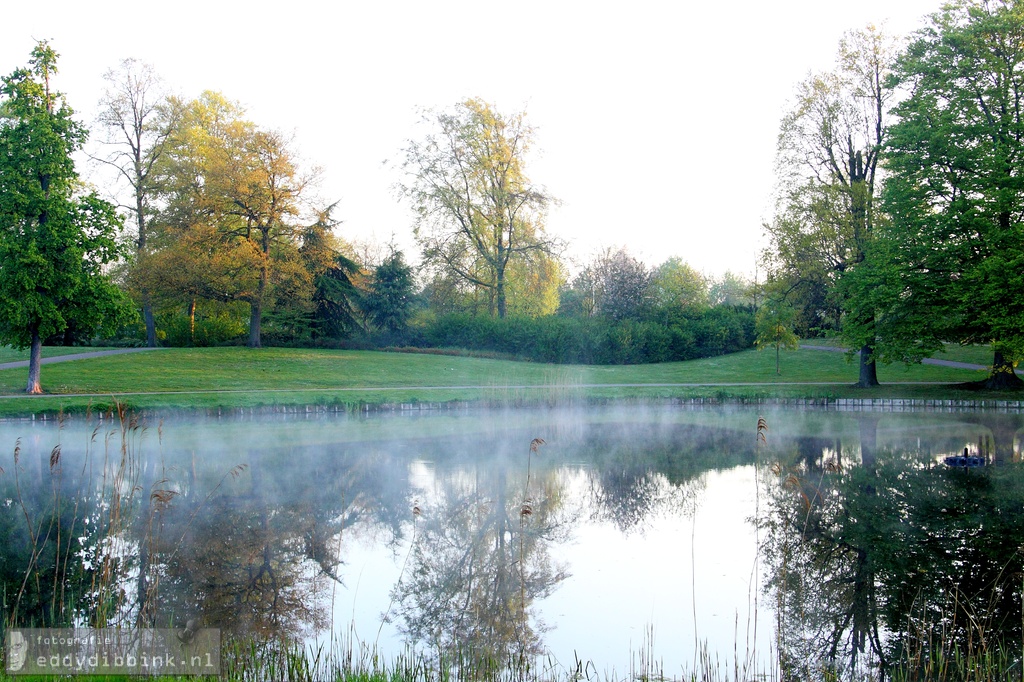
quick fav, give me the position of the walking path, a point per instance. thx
(74, 356)
(927, 361)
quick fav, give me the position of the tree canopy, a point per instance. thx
(54, 241)
(232, 199)
(829, 148)
(951, 267)
(477, 211)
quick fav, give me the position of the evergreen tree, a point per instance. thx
(54, 243)
(389, 303)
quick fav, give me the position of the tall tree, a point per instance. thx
(336, 297)
(828, 150)
(54, 244)
(223, 172)
(139, 120)
(477, 211)
(954, 259)
(266, 196)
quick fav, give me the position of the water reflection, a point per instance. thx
(254, 550)
(480, 558)
(48, 520)
(899, 563)
(875, 554)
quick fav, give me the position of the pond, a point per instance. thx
(611, 541)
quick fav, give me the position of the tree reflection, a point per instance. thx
(894, 564)
(253, 552)
(640, 471)
(479, 560)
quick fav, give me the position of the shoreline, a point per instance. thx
(314, 410)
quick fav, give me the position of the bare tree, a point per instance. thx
(138, 118)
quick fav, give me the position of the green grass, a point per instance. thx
(8, 354)
(974, 354)
(204, 378)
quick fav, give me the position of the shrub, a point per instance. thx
(682, 335)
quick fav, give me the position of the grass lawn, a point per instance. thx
(8, 354)
(974, 354)
(242, 377)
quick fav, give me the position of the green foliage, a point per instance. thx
(389, 301)
(334, 310)
(774, 327)
(687, 335)
(951, 268)
(54, 243)
(829, 147)
(676, 283)
(214, 324)
(478, 213)
(337, 299)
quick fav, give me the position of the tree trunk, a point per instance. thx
(34, 362)
(1003, 376)
(500, 293)
(140, 217)
(256, 306)
(255, 319)
(868, 368)
(147, 315)
(777, 370)
(192, 321)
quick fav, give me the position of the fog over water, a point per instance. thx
(615, 535)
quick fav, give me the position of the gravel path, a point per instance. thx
(75, 356)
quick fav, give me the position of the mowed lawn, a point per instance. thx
(287, 369)
(8, 354)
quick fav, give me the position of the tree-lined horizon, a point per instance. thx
(896, 228)
(902, 193)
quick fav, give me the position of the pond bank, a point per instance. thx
(102, 412)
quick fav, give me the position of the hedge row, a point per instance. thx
(688, 335)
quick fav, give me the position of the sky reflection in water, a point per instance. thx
(638, 540)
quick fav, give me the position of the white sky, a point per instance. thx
(656, 123)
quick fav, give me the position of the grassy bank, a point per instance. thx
(204, 378)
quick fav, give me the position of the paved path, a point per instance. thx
(75, 356)
(927, 361)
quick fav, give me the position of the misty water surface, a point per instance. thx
(616, 536)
